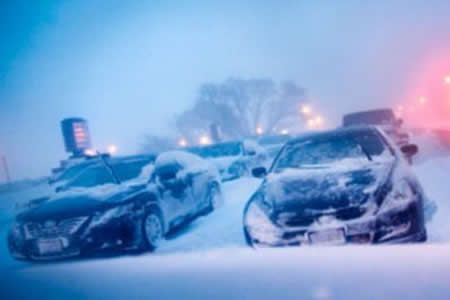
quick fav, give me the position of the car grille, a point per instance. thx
(306, 218)
(52, 228)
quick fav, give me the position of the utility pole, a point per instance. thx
(6, 169)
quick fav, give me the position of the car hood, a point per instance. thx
(75, 203)
(223, 163)
(326, 190)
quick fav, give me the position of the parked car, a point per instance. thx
(384, 118)
(116, 206)
(234, 159)
(349, 185)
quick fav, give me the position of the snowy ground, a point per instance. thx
(209, 260)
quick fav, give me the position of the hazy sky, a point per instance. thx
(130, 67)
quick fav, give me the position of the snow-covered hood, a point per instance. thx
(79, 202)
(223, 163)
(327, 188)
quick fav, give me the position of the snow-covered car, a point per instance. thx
(117, 207)
(384, 118)
(350, 185)
(234, 159)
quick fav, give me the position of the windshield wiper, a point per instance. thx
(369, 157)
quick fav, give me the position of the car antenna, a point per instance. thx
(109, 167)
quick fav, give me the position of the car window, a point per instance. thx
(72, 172)
(167, 171)
(91, 177)
(129, 170)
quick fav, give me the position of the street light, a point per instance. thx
(318, 120)
(204, 140)
(6, 169)
(111, 149)
(306, 109)
(422, 100)
(447, 80)
(284, 132)
(311, 123)
(90, 152)
(399, 110)
(182, 142)
(259, 130)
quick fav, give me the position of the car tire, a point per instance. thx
(214, 197)
(152, 230)
(248, 239)
(423, 237)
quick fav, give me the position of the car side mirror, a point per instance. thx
(251, 153)
(409, 150)
(259, 172)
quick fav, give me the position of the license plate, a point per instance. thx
(329, 236)
(49, 246)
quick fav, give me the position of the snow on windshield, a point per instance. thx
(350, 176)
(331, 149)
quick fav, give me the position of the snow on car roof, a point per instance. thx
(182, 158)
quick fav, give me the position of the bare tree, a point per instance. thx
(239, 106)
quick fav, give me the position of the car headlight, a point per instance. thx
(112, 213)
(259, 225)
(16, 231)
(399, 197)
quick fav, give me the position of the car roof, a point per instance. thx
(124, 159)
(334, 132)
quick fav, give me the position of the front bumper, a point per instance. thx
(399, 226)
(30, 250)
(89, 240)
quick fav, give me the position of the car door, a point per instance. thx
(173, 191)
(197, 180)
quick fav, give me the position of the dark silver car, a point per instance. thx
(343, 186)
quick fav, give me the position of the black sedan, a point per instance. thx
(343, 186)
(116, 206)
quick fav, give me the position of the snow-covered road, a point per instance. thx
(209, 259)
(222, 228)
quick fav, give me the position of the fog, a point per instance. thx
(130, 68)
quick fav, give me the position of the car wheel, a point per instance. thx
(153, 230)
(423, 237)
(248, 238)
(214, 197)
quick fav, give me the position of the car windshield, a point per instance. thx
(328, 149)
(218, 150)
(273, 140)
(92, 176)
(129, 170)
(73, 171)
